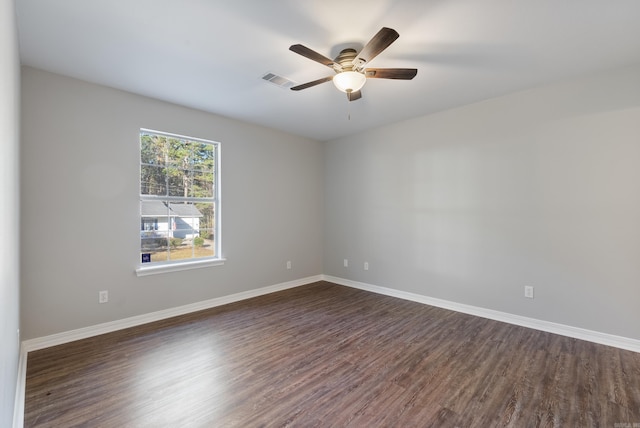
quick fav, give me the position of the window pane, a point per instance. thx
(206, 220)
(152, 149)
(179, 180)
(185, 220)
(203, 157)
(180, 248)
(205, 246)
(154, 230)
(154, 215)
(208, 236)
(179, 153)
(202, 185)
(153, 180)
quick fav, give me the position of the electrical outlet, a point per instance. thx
(528, 292)
(288, 264)
(366, 265)
(346, 263)
(103, 296)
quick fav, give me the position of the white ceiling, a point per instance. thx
(211, 54)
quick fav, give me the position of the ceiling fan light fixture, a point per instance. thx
(350, 74)
(349, 81)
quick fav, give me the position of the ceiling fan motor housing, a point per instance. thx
(345, 59)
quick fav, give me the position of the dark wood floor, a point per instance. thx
(326, 355)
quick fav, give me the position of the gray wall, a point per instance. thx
(537, 188)
(9, 214)
(80, 166)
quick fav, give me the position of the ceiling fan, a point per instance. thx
(349, 65)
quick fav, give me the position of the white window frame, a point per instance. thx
(144, 269)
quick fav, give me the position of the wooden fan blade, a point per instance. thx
(310, 84)
(352, 96)
(311, 54)
(377, 44)
(391, 73)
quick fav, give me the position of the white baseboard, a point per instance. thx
(564, 330)
(550, 327)
(108, 327)
(18, 408)
(83, 333)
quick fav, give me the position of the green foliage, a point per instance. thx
(206, 234)
(173, 166)
(176, 242)
(198, 241)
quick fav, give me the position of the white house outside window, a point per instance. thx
(179, 200)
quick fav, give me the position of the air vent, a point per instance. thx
(280, 81)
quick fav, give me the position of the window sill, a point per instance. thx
(175, 267)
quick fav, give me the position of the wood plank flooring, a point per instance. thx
(324, 355)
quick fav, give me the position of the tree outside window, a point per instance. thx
(179, 198)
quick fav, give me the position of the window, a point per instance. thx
(179, 201)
